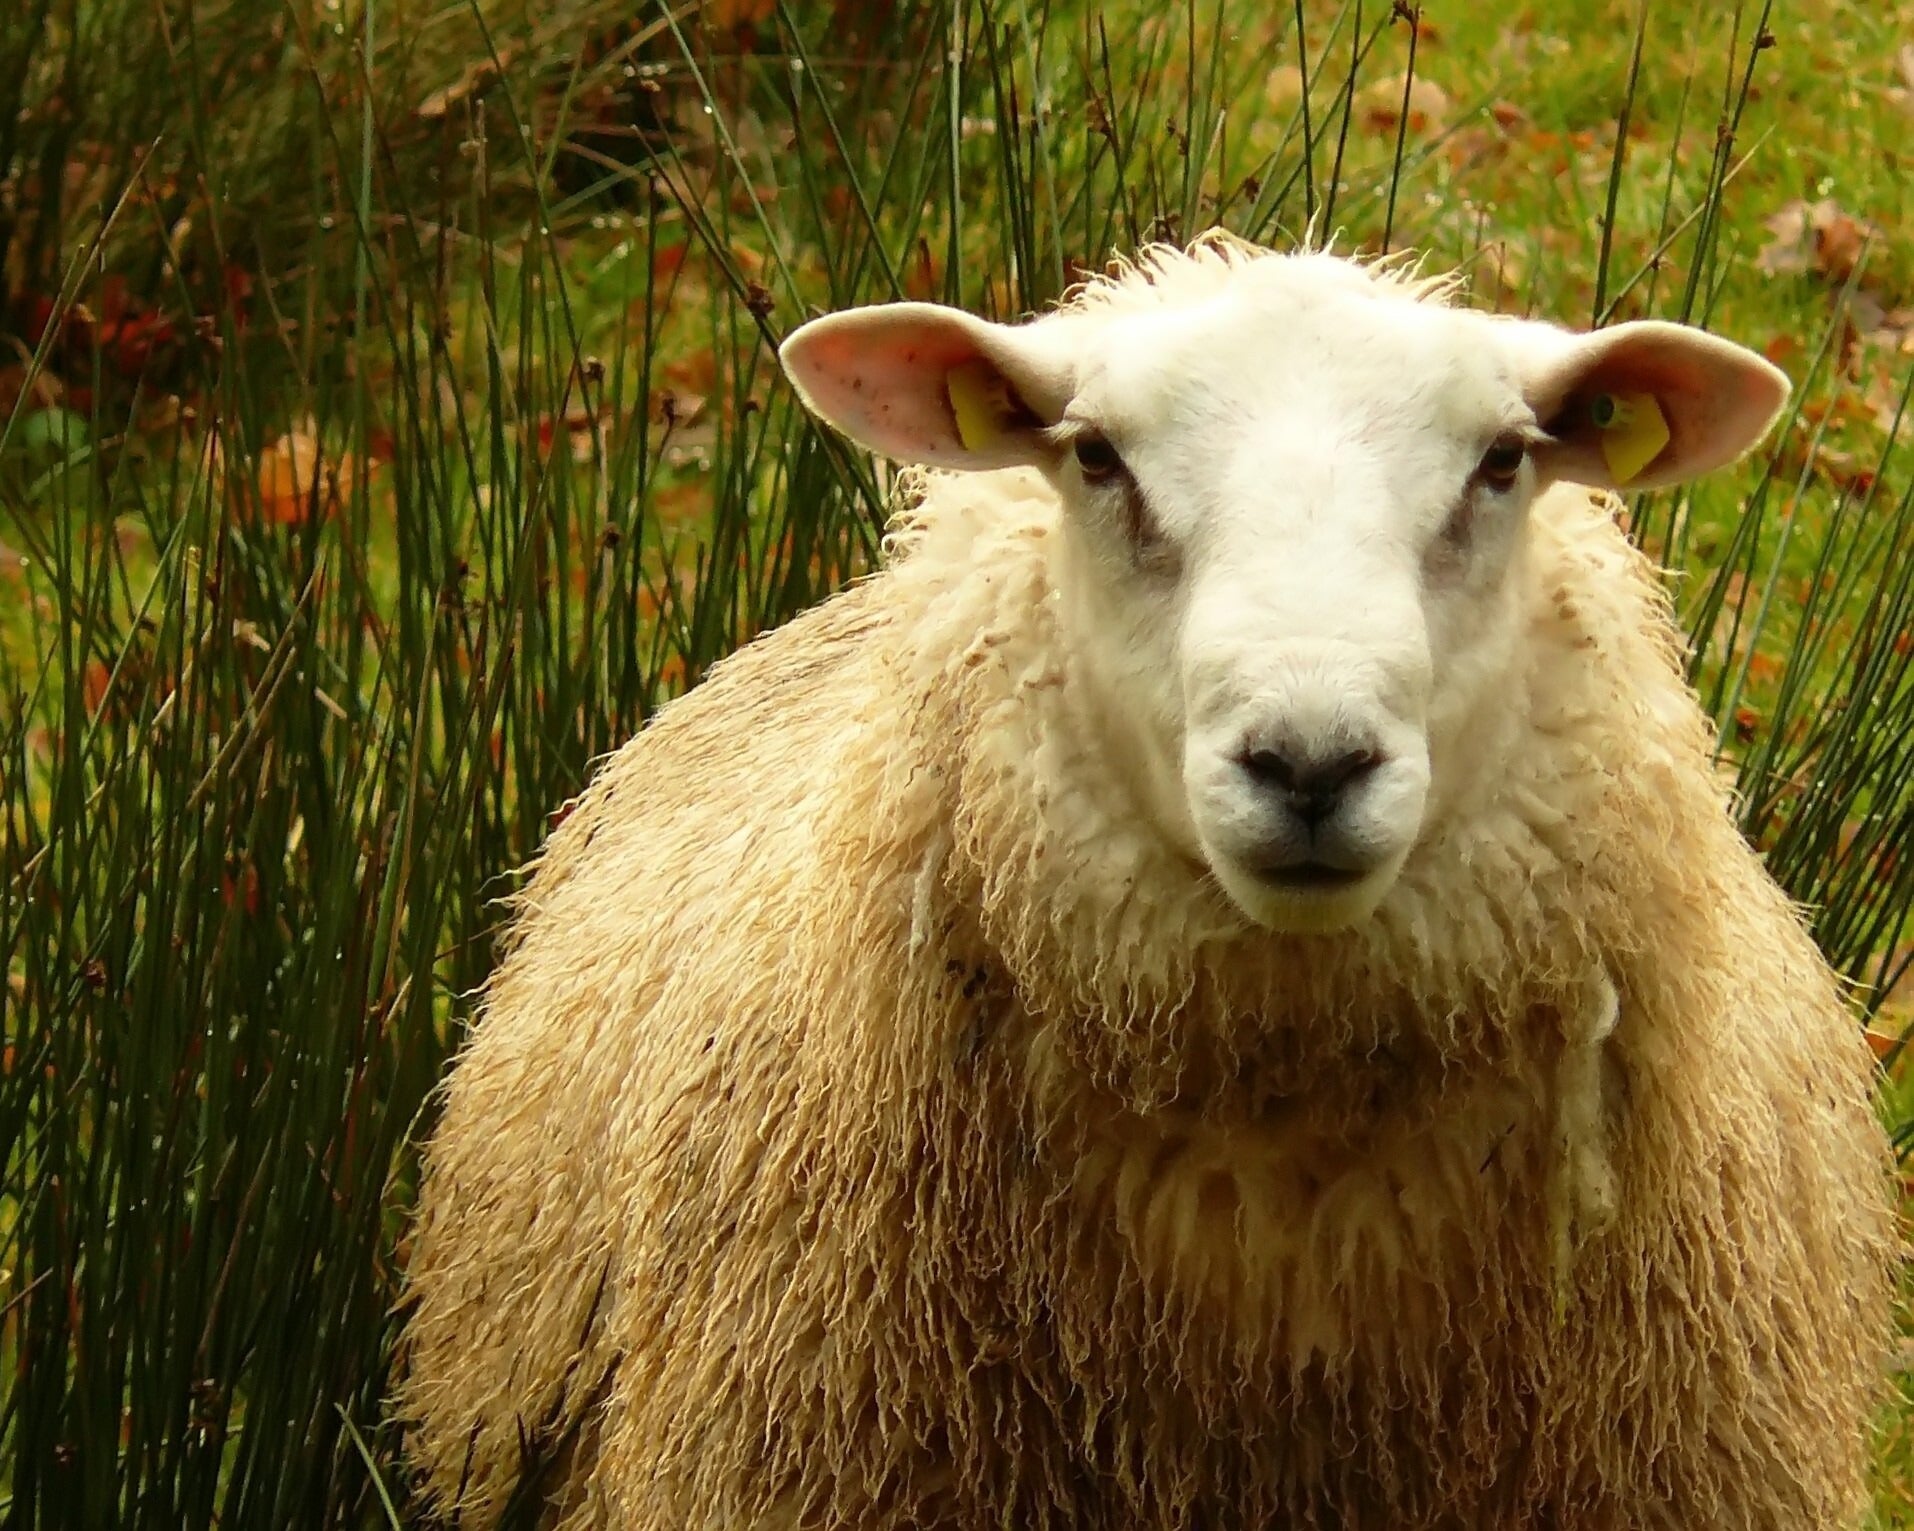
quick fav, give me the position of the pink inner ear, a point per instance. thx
(881, 375)
(1717, 398)
(1696, 397)
(888, 389)
(1681, 389)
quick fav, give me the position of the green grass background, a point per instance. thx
(389, 422)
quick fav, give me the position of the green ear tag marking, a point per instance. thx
(977, 401)
(1634, 431)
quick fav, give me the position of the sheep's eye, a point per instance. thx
(1501, 465)
(1096, 457)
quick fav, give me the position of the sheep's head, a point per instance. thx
(1294, 493)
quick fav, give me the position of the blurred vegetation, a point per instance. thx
(389, 423)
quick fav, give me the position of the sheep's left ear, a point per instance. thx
(1641, 405)
(922, 383)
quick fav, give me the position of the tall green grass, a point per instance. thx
(477, 453)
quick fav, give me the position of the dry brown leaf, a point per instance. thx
(1382, 104)
(1819, 237)
(1892, 331)
(1883, 401)
(291, 469)
(1469, 147)
(1838, 243)
(1781, 349)
(1844, 470)
(1508, 116)
(474, 79)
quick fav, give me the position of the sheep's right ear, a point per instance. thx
(922, 383)
(1645, 404)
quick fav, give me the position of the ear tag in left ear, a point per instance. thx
(979, 401)
(1634, 431)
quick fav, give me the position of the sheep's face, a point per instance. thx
(1294, 498)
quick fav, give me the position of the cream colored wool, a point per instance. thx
(872, 1126)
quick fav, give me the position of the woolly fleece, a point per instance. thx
(872, 1126)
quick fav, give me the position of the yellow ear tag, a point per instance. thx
(1634, 431)
(978, 401)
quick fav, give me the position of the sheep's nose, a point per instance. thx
(1310, 785)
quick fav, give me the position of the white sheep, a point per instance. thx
(1219, 990)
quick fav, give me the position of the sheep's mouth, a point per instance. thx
(1310, 896)
(1310, 877)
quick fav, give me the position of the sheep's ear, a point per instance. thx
(926, 384)
(1640, 405)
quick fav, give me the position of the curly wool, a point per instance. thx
(873, 1125)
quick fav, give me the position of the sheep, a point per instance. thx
(1219, 989)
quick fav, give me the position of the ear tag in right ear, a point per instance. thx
(979, 401)
(1634, 431)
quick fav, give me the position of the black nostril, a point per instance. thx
(1336, 774)
(1311, 785)
(1270, 768)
